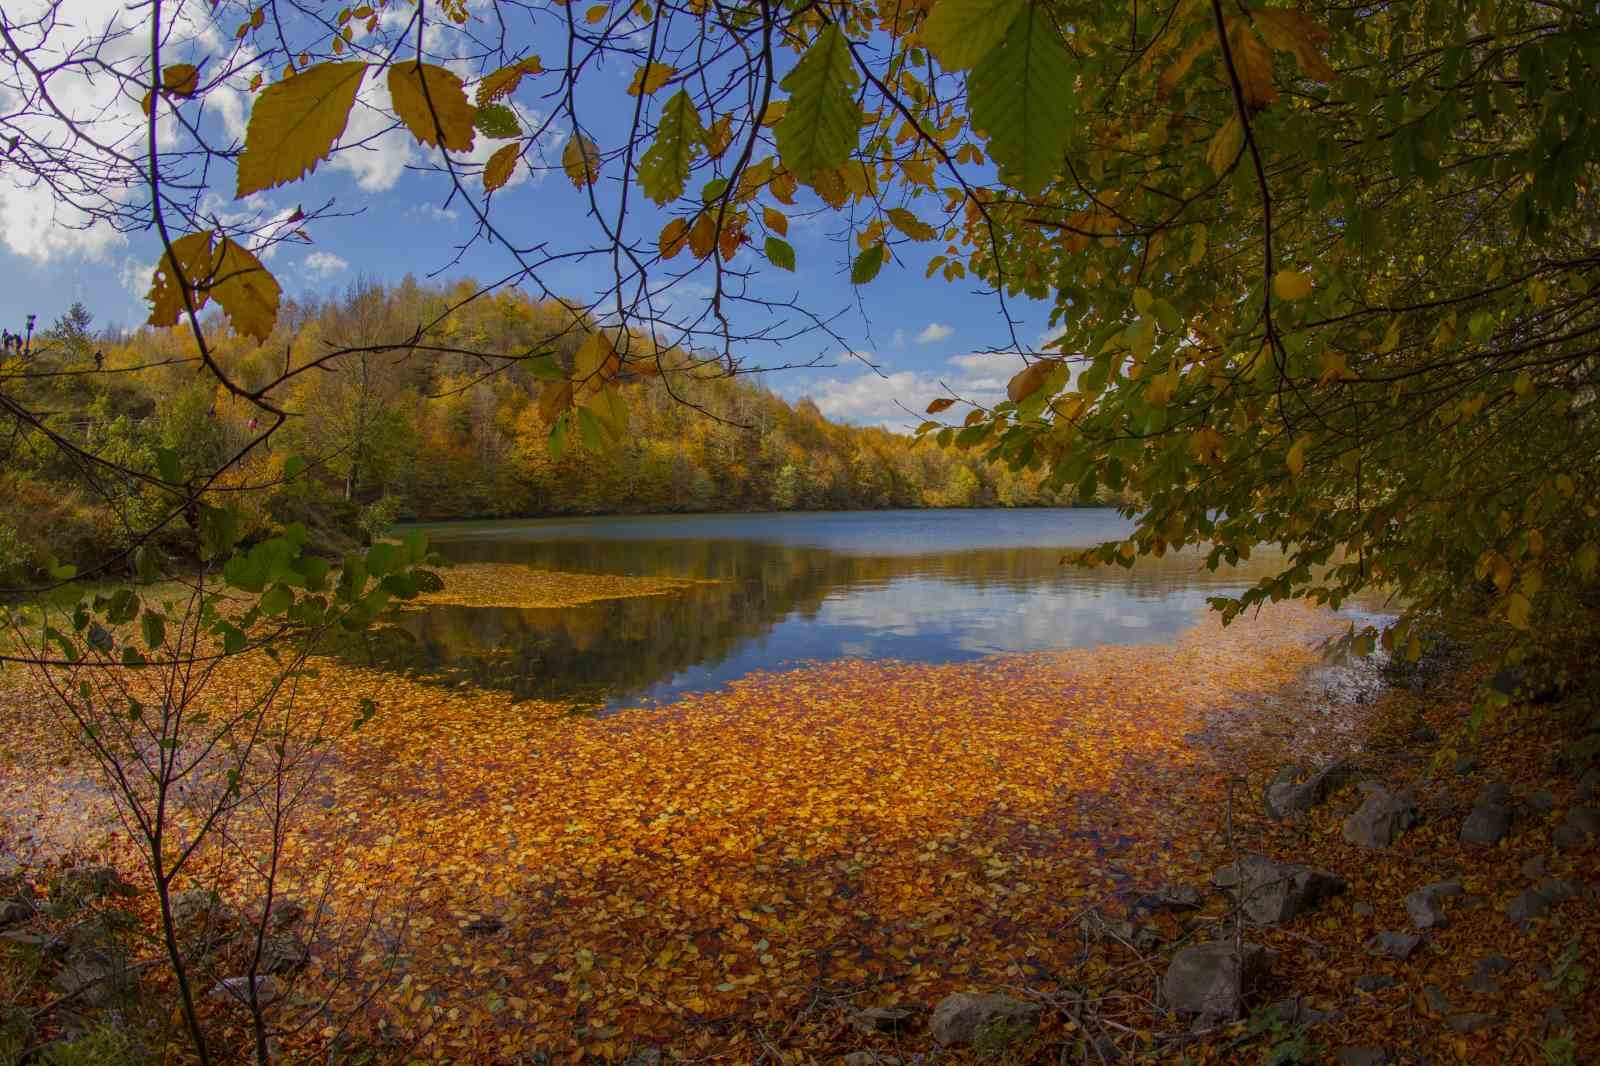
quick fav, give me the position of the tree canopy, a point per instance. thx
(1321, 274)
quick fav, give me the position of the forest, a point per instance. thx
(407, 434)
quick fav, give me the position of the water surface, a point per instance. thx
(925, 586)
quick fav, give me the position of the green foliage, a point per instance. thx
(1020, 95)
(822, 122)
(680, 136)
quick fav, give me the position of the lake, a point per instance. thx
(791, 588)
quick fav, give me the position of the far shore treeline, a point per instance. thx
(414, 434)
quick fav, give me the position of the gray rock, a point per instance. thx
(96, 977)
(1584, 820)
(1465, 764)
(1098, 927)
(1483, 984)
(1425, 734)
(1490, 818)
(237, 990)
(1382, 816)
(1533, 869)
(1436, 1000)
(285, 913)
(1589, 784)
(1272, 892)
(283, 953)
(1555, 890)
(965, 1018)
(1293, 1012)
(1470, 1021)
(1178, 896)
(881, 1020)
(14, 912)
(1527, 906)
(1540, 801)
(1423, 906)
(1362, 1055)
(1493, 965)
(1284, 797)
(1210, 979)
(1568, 838)
(82, 883)
(1397, 945)
(1362, 910)
(1374, 982)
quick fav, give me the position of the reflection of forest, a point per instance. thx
(590, 652)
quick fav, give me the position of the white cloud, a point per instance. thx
(899, 338)
(323, 264)
(934, 332)
(875, 399)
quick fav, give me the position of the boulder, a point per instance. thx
(1374, 982)
(1286, 797)
(1362, 910)
(1423, 905)
(1382, 816)
(1585, 820)
(1362, 1055)
(1589, 784)
(237, 990)
(1210, 979)
(1436, 1001)
(80, 884)
(1540, 801)
(1534, 868)
(283, 953)
(1271, 892)
(1535, 901)
(96, 977)
(285, 913)
(970, 1018)
(14, 912)
(1490, 818)
(1396, 945)
(1296, 1012)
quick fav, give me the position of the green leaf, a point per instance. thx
(167, 465)
(154, 627)
(867, 265)
(497, 121)
(780, 253)
(293, 467)
(713, 189)
(1020, 97)
(276, 600)
(820, 126)
(680, 135)
(961, 32)
(385, 558)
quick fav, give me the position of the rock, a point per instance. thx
(1533, 869)
(285, 913)
(201, 915)
(1284, 797)
(1585, 820)
(1493, 965)
(1362, 910)
(968, 1018)
(1555, 890)
(1470, 1021)
(1483, 984)
(1568, 838)
(1272, 892)
(1423, 905)
(82, 883)
(881, 1020)
(1424, 734)
(1362, 1055)
(1374, 982)
(96, 977)
(1436, 1000)
(1178, 896)
(484, 925)
(1540, 801)
(1098, 927)
(14, 912)
(1465, 764)
(283, 953)
(1209, 979)
(1382, 816)
(1397, 945)
(1555, 1020)
(1527, 906)
(1490, 818)
(237, 990)
(1589, 784)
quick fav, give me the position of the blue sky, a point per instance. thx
(917, 332)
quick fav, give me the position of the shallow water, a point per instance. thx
(921, 586)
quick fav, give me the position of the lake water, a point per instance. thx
(925, 586)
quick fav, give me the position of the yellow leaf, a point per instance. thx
(775, 220)
(1518, 608)
(247, 291)
(718, 136)
(775, 111)
(1292, 284)
(1252, 62)
(674, 238)
(702, 236)
(504, 82)
(581, 160)
(187, 264)
(1538, 292)
(1029, 380)
(650, 78)
(1225, 144)
(180, 79)
(1298, 34)
(912, 226)
(1391, 337)
(294, 123)
(596, 13)
(1296, 459)
(498, 170)
(943, 403)
(432, 103)
(1185, 60)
